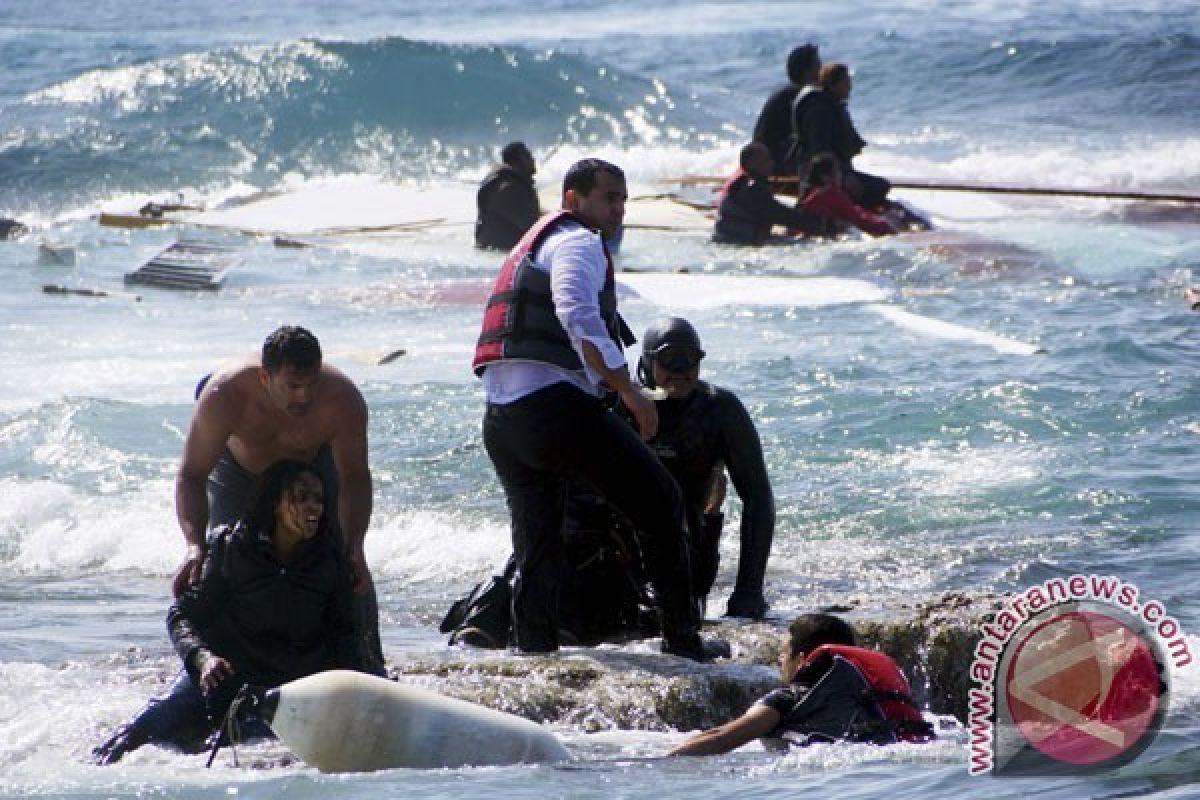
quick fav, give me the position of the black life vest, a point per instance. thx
(863, 696)
(519, 322)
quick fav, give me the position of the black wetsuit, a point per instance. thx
(748, 211)
(273, 622)
(821, 123)
(604, 595)
(507, 205)
(774, 127)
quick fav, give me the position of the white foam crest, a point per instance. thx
(1129, 163)
(252, 73)
(942, 470)
(438, 546)
(846, 755)
(51, 528)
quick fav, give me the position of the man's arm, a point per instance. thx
(576, 277)
(212, 423)
(743, 456)
(644, 412)
(349, 446)
(757, 722)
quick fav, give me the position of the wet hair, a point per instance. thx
(582, 175)
(801, 61)
(513, 151)
(292, 346)
(820, 169)
(749, 151)
(832, 74)
(270, 488)
(810, 631)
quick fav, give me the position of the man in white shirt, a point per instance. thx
(551, 347)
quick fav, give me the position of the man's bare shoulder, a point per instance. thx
(229, 388)
(339, 395)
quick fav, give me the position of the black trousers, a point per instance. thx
(559, 434)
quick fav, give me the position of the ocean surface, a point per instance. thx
(907, 461)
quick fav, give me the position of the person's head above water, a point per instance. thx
(755, 160)
(803, 64)
(290, 369)
(517, 156)
(595, 191)
(288, 504)
(808, 632)
(671, 356)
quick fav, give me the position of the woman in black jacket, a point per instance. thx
(272, 605)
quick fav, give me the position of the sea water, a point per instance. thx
(904, 464)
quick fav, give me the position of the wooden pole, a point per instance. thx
(1047, 191)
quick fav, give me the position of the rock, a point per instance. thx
(605, 689)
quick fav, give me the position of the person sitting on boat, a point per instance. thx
(822, 124)
(704, 431)
(747, 208)
(273, 604)
(774, 125)
(507, 201)
(834, 691)
(825, 198)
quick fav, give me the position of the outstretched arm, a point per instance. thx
(748, 470)
(758, 721)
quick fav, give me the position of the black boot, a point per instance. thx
(697, 648)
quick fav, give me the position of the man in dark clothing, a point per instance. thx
(822, 124)
(703, 432)
(747, 209)
(507, 200)
(774, 125)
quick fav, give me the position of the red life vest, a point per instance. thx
(888, 689)
(519, 322)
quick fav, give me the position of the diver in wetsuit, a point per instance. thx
(704, 431)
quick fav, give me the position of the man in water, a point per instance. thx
(823, 124)
(551, 347)
(704, 431)
(747, 208)
(774, 125)
(834, 691)
(507, 200)
(287, 404)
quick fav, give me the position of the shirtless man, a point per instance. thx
(287, 404)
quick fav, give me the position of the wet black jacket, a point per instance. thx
(699, 435)
(507, 205)
(273, 622)
(774, 125)
(821, 123)
(749, 210)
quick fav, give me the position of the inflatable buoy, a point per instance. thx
(342, 721)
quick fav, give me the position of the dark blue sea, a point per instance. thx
(911, 452)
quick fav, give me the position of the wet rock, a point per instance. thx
(640, 689)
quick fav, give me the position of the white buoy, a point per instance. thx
(342, 721)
